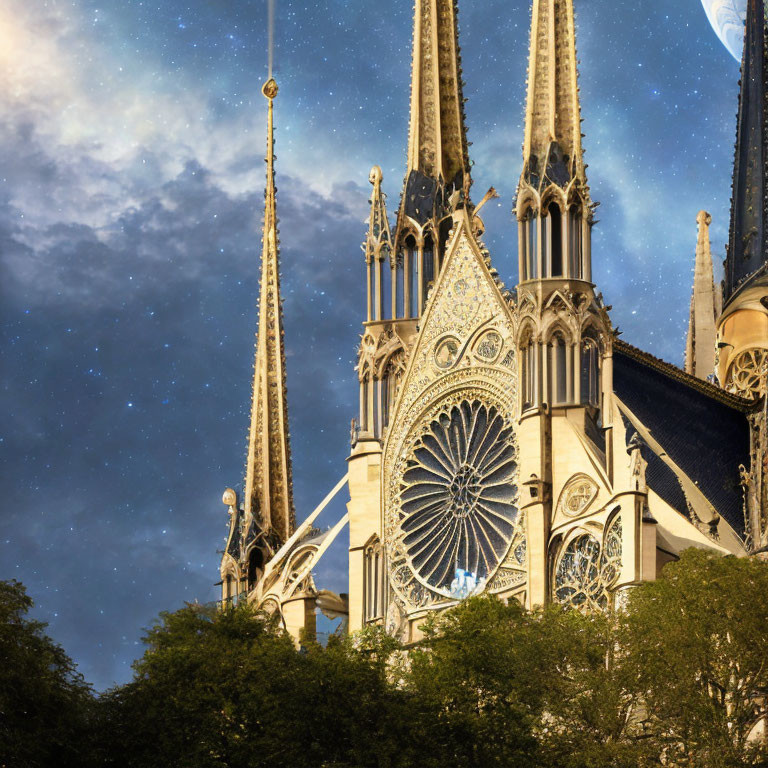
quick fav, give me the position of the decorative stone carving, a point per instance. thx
(451, 520)
(586, 569)
(577, 494)
(747, 373)
(637, 464)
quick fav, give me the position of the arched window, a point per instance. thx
(228, 587)
(530, 260)
(255, 567)
(575, 251)
(411, 277)
(558, 369)
(428, 262)
(373, 581)
(445, 230)
(386, 283)
(365, 393)
(399, 288)
(529, 373)
(555, 241)
(390, 384)
(590, 372)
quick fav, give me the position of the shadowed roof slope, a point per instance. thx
(703, 429)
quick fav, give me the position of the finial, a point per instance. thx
(229, 498)
(269, 89)
(375, 176)
(702, 217)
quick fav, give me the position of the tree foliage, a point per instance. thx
(676, 676)
(46, 709)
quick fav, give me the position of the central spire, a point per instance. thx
(268, 485)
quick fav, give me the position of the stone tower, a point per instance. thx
(401, 267)
(564, 335)
(742, 332)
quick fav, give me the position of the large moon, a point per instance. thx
(727, 19)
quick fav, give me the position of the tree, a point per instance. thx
(696, 642)
(590, 701)
(474, 702)
(46, 708)
(229, 688)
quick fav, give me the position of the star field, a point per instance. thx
(131, 182)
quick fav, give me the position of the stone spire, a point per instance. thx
(377, 248)
(700, 346)
(268, 484)
(747, 248)
(552, 151)
(438, 161)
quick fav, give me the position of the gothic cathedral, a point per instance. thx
(507, 441)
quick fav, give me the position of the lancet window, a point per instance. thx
(255, 567)
(529, 264)
(373, 581)
(427, 271)
(554, 227)
(576, 255)
(529, 374)
(410, 257)
(229, 587)
(590, 372)
(559, 369)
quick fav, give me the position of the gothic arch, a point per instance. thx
(553, 194)
(528, 203)
(555, 325)
(527, 333)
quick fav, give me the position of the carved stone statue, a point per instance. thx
(637, 464)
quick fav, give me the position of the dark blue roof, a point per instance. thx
(705, 433)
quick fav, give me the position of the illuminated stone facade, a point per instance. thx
(506, 441)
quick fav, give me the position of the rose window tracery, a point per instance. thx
(587, 570)
(458, 498)
(746, 372)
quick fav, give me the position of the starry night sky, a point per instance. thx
(131, 182)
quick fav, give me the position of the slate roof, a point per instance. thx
(703, 429)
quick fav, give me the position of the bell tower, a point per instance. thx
(564, 334)
(742, 332)
(402, 264)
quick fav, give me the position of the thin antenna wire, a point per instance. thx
(271, 32)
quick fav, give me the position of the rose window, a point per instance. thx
(458, 497)
(746, 372)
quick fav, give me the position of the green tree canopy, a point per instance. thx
(696, 642)
(46, 708)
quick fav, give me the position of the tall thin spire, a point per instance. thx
(552, 151)
(377, 248)
(748, 246)
(700, 346)
(268, 482)
(438, 160)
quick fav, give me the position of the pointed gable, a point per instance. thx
(455, 422)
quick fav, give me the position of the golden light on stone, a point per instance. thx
(269, 89)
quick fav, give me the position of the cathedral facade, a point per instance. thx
(507, 441)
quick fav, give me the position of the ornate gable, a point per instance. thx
(451, 518)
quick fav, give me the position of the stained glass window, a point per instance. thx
(458, 496)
